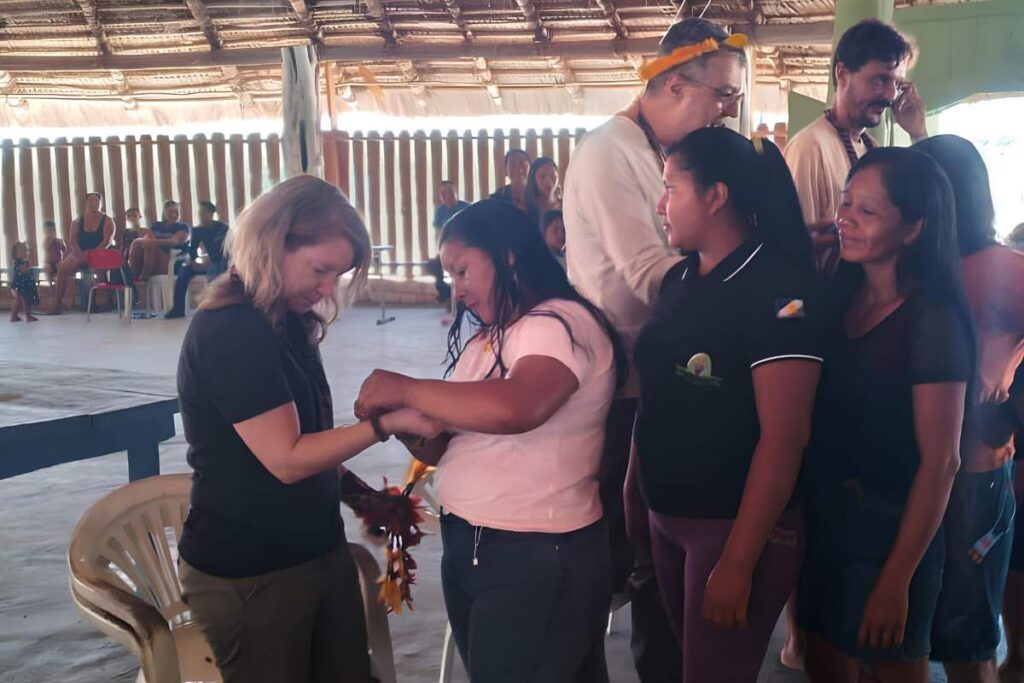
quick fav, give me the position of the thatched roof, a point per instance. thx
(222, 49)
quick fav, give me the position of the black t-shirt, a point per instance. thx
(864, 412)
(211, 237)
(698, 427)
(243, 520)
(164, 230)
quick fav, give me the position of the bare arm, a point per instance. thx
(109, 230)
(533, 391)
(784, 393)
(174, 240)
(938, 415)
(73, 239)
(275, 439)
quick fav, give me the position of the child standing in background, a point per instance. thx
(23, 284)
(54, 250)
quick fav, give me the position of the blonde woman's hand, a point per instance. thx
(381, 392)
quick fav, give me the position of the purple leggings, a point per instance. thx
(685, 551)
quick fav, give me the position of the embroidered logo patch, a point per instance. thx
(786, 309)
(698, 371)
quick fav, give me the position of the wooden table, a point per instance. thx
(51, 414)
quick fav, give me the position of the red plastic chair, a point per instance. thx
(109, 260)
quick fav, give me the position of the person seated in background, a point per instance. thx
(209, 234)
(91, 230)
(553, 229)
(543, 189)
(54, 249)
(133, 229)
(517, 169)
(449, 204)
(149, 253)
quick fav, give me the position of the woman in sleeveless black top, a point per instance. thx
(82, 240)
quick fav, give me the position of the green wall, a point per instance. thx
(966, 49)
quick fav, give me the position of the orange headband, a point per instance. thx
(681, 55)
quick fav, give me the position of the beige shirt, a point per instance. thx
(616, 250)
(818, 161)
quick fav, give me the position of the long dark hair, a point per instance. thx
(920, 190)
(525, 275)
(967, 173)
(532, 200)
(760, 186)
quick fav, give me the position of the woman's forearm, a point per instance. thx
(489, 406)
(925, 508)
(770, 483)
(320, 451)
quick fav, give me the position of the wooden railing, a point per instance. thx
(392, 179)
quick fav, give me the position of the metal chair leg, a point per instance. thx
(447, 656)
(88, 308)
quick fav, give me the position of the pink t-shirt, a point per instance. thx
(545, 480)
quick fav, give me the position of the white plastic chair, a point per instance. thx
(160, 288)
(124, 580)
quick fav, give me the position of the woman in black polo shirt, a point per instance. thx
(728, 366)
(899, 355)
(265, 567)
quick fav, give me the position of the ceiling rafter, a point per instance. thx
(540, 31)
(307, 21)
(202, 17)
(454, 8)
(376, 10)
(89, 11)
(611, 13)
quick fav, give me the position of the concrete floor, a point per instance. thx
(41, 636)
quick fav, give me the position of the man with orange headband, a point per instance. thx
(617, 256)
(870, 76)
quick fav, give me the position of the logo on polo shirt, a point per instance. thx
(698, 371)
(789, 309)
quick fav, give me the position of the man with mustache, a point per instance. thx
(617, 256)
(869, 75)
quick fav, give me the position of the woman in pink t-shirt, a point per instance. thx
(526, 568)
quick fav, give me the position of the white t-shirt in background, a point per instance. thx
(817, 158)
(616, 250)
(545, 480)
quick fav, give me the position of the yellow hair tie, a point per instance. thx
(681, 55)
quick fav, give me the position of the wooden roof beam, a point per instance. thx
(611, 13)
(540, 32)
(88, 8)
(818, 33)
(454, 8)
(301, 10)
(375, 10)
(202, 17)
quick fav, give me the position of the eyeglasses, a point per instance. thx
(725, 96)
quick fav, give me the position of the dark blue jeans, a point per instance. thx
(185, 275)
(528, 610)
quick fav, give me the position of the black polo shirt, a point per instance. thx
(243, 520)
(698, 427)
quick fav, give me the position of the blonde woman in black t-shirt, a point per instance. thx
(265, 568)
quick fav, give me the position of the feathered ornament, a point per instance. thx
(395, 514)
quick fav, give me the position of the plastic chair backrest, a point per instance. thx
(104, 259)
(128, 541)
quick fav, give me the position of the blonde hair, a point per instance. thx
(300, 212)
